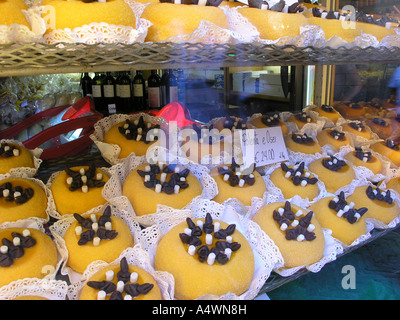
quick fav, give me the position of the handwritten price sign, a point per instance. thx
(263, 146)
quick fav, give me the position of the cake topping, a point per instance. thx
(391, 144)
(379, 122)
(223, 247)
(296, 228)
(298, 175)
(165, 178)
(14, 249)
(208, 135)
(363, 155)
(271, 120)
(327, 108)
(214, 3)
(97, 230)
(380, 195)
(303, 117)
(337, 135)
(127, 283)
(356, 125)
(17, 194)
(345, 210)
(302, 138)
(237, 175)
(8, 150)
(137, 130)
(232, 123)
(84, 179)
(333, 163)
(280, 6)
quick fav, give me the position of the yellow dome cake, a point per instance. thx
(333, 137)
(78, 189)
(301, 142)
(268, 121)
(382, 127)
(77, 13)
(295, 180)
(131, 136)
(206, 257)
(295, 231)
(152, 184)
(235, 181)
(351, 111)
(100, 236)
(165, 24)
(357, 128)
(21, 199)
(12, 14)
(365, 159)
(14, 156)
(301, 119)
(25, 253)
(327, 112)
(388, 149)
(333, 172)
(121, 282)
(380, 203)
(346, 222)
(394, 184)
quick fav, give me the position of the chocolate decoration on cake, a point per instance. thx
(17, 194)
(233, 123)
(303, 117)
(214, 3)
(155, 176)
(356, 125)
(127, 282)
(302, 138)
(363, 155)
(237, 175)
(333, 163)
(379, 122)
(391, 144)
(279, 6)
(327, 108)
(222, 249)
(337, 135)
(84, 179)
(8, 151)
(298, 175)
(346, 210)
(295, 229)
(137, 130)
(271, 120)
(380, 195)
(11, 250)
(97, 230)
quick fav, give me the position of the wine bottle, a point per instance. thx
(86, 85)
(139, 100)
(124, 95)
(172, 88)
(109, 93)
(163, 87)
(154, 91)
(97, 92)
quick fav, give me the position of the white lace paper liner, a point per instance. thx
(36, 224)
(49, 289)
(102, 32)
(267, 255)
(59, 228)
(36, 153)
(134, 256)
(51, 203)
(110, 152)
(40, 184)
(112, 192)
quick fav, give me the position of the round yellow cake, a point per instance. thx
(301, 119)
(327, 112)
(309, 145)
(30, 201)
(163, 16)
(262, 122)
(367, 160)
(290, 187)
(36, 259)
(127, 146)
(273, 25)
(393, 154)
(76, 13)
(342, 229)
(332, 137)
(144, 200)
(357, 128)
(194, 278)
(81, 255)
(332, 179)
(377, 209)
(12, 14)
(81, 199)
(244, 193)
(295, 252)
(143, 278)
(14, 156)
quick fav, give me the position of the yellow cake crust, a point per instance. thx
(308, 148)
(12, 14)
(80, 256)
(34, 207)
(193, 278)
(24, 159)
(89, 293)
(324, 138)
(144, 200)
(333, 116)
(36, 261)
(363, 133)
(70, 202)
(381, 148)
(295, 253)
(375, 165)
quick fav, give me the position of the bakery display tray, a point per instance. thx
(17, 59)
(274, 281)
